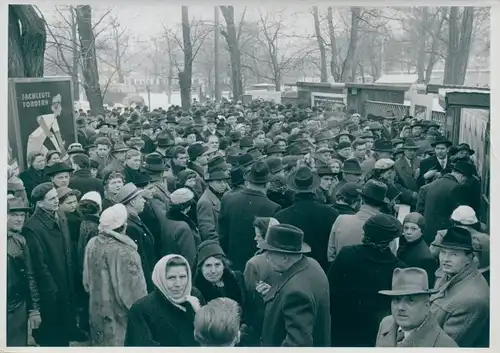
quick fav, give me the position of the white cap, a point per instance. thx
(384, 164)
(181, 196)
(464, 215)
(93, 196)
(113, 217)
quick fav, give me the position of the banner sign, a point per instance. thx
(41, 116)
(328, 100)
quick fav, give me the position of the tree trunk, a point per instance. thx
(234, 51)
(321, 46)
(433, 56)
(118, 57)
(333, 44)
(27, 41)
(347, 66)
(89, 61)
(170, 77)
(217, 90)
(74, 66)
(185, 76)
(421, 53)
(459, 41)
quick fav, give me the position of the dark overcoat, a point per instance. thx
(417, 254)
(406, 173)
(297, 308)
(355, 276)
(50, 248)
(31, 178)
(236, 231)
(83, 181)
(155, 321)
(431, 163)
(315, 220)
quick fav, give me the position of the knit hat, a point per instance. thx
(180, 196)
(113, 217)
(40, 191)
(185, 175)
(206, 249)
(464, 215)
(382, 228)
(416, 218)
(93, 196)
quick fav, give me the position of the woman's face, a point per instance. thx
(191, 183)
(212, 269)
(69, 205)
(336, 168)
(282, 144)
(258, 237)
(411, 232)
(134, 162)
(55, 158)
(93, 172)
(115, 185)
(38, 163)
(177, 280)
(61, 179)
(213, 142)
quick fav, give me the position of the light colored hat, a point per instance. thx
(181, 196)
(409, 281)
(113, 217)
(93, 196)
(464, 215)
(384, 164)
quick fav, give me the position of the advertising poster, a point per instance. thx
(41, 117)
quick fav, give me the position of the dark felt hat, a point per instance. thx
(465, 168)
(274, 149)
(259, 173)
(382, 228)
(303, 180)
(465, 147)
(382, 145)
(441, 141)
(206, 249)
(324, 171)
(244, 160)
(127, 193)
(457, 238)
(352, 166)
(17, 205)
(237, 176)
(375, 191)
(285, 238)
(275, 164)
(154, 162)
(218, 174)
(196, 150)
(120, 147)
(57, 168)
(246, 141)
(410, 144)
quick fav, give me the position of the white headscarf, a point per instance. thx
(272, 222)
(160, 281)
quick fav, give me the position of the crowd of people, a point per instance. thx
(255, 224)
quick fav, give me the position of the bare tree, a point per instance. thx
(460, 25)
(321, 45)
(347, 65)
(89, 60)
(333, 45)
(232, 36)
(27, 42)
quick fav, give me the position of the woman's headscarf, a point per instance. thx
(160, 281)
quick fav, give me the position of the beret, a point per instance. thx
(40, 191)
(113, 217)
(181, 196)
(384, 164)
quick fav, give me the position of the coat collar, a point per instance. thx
(211, 196)
(82, 173)
(253, 192)
(367, 211)
(47, 219)
(425, 335)
(120, 237)
(446, 282)
(91, 217)
(299, 266)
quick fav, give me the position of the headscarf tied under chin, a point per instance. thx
(160, 281)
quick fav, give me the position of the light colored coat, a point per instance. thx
(113, 277)
(208, 209)
(429, 334)
(461, 307)
(348, 230)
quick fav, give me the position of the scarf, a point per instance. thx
(160, 281)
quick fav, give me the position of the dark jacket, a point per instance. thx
(31, 178)
(153, 212)
(89, 228)
(441, 199)
(50, 247)
(343, 208)
(179, 235)
(131, 175)
(417, 254)
(236, 231)
(297, 312)
(406, 173)
(141, 235)
(431, 163)
(83, 181)
(155, 321)
(315, 220)
(356, 275)
(149, 145)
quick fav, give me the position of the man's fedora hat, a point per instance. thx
(351, 166)
(275, 164)
(442, 141)
(409, 281)
(465, 168)
(303, 180)
(410, 144)
(17, 205)
(154, 162)
(285, 238)
(127, 193)
(218, 174)
(245, 160)
(457, 238)
(58, 168)
(344, 133)
(465, 147)
(382, 146)
(274, 149)
(165, 140)
(120, 147)
(324, 171)
(375, 191)
(259, 173)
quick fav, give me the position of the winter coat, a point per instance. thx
(83, 181)
(114, 279)
(207, 210)
(441, 200)
(236, 231)
(297, 310)
(179, 235)
(406, 174)
(155, 321)
(132, 175)
(88, 230)
(141, 235)
(154, 211)
(462, 306)
(149, 145)
(113, 165)
(417, 254)
(233, 287)
(343, 208)
(104, 162)
(431, 163)
(355, 276)
(31, 178)
(348, 230)
(429, 334)
(50, 247)
(315, 220)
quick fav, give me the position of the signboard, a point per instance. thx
(328, 100)
(41, 116)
